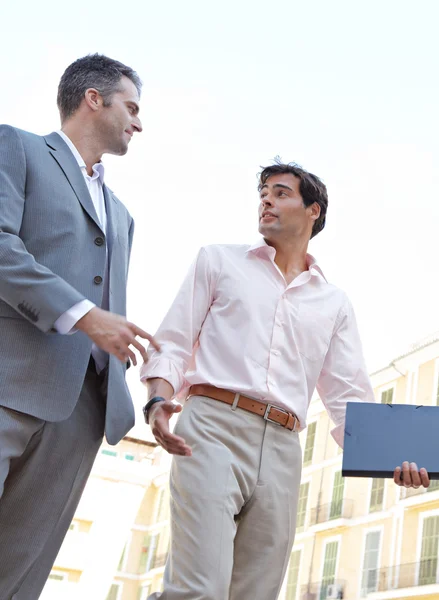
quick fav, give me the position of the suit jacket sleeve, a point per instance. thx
(33, 290)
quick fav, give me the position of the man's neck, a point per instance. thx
(85, 143)
(290, 257)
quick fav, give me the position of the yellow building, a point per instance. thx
(367, 538)
(356, 538)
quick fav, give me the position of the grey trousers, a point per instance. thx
(233, 505)
(43, 471)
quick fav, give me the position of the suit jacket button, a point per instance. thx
(97, 279)
(99, 241)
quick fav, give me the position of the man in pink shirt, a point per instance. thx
(252, 332)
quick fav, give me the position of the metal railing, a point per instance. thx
(320, 590)
(341, 509)
(407, 575)
(160, 560)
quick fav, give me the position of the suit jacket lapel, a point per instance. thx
(110, 208)
(65, 159)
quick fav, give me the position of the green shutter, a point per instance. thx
(387, 397)
(434, 485)
(337, 497)
(301, 505)
(293, 576)
(309, 444)
(329, 566)
(429, 551)
(114, 591)
(369, 578)
(377, 495)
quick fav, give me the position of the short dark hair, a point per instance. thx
(92, 71)
(312, 189)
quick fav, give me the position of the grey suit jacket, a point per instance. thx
(51, 257)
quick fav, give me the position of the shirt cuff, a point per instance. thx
(65, 324)
(338, 434)
(162, 369)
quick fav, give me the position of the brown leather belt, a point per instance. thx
(270, 413)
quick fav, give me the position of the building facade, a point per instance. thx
(356, 537)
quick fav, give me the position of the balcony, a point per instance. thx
(160, 560)
(412, 496)
(323, 590)
(332, 515)
(408, 580)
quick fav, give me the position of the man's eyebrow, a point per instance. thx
(277, 185)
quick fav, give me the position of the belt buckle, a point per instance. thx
(282, 410)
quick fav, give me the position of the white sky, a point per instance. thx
(349, 90)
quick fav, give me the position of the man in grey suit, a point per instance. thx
(65, 343)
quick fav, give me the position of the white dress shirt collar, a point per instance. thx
(261, 245)
(98, 168)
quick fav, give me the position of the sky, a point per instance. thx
(347, 89)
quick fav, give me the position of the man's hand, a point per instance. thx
(114, 334)
(159, 415)
(409, 476)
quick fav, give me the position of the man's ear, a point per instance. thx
(314, 211)
(93, 99)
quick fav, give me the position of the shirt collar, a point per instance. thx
(262, 247)
(97, 167)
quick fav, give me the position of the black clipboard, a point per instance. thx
(380, 437)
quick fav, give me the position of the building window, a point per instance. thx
(124, 554)
(144, 592)
(106, 452)
(301, 505)
(387, 396)
(337, 497)
(149, 552)
(434, 485)
(429, 551)
(58, 576)
(329, 566)
(115, 591)
(369, 579)
(377, 495)
(309, 444)
(293, 576)
(162, 505)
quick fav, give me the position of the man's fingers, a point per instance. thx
(143, 334)
(406, 477)
(397, 476)
(424, 477)
(416, 479)
(138, 346)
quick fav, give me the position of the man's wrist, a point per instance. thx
(151, 403)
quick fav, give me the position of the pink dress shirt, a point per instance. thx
(236, 324)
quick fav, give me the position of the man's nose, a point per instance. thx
(137, 125)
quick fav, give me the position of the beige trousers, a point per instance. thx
(233, 505)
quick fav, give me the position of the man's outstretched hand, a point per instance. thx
(409, 476)
(159, 416)
(114, 334)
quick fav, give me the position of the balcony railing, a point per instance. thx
(160, 560)
(319, 590)
(410, 492)
(341, 509)
(407, 575)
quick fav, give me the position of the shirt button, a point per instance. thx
(99, 241)
(98, 279)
